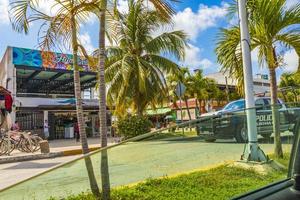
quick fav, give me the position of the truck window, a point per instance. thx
(268, 104)
(235, 105)
(260, 104)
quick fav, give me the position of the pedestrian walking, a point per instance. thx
(46, 129)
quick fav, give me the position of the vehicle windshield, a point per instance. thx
(235, 105)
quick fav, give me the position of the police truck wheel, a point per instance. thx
(210, 139)
(241, 135)
(198, 130)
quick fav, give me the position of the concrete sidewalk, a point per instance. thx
(63, 147)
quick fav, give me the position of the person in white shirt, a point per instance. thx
(46, 129)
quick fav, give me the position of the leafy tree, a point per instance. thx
(272, 27)
(135, 68)
(184, 77)
(290, 86)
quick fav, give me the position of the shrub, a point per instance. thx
(131, 126)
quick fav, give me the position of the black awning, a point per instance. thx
(41, 81)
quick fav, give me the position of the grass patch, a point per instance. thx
(284, 161)
(220, 183)
(223, 182)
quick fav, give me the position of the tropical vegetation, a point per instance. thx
(132, 126)
(290, 87)
(201, 88)
(224, 182)
(273, 27)
(136, 65)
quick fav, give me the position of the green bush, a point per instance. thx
(131, 126)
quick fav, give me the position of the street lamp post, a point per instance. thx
(254, 153)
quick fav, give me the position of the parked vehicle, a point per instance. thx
(230, 122)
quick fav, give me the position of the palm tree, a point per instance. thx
(165, 11)
(272, 26)
(135, 69)
(204, 89)
(62, 27)
(289, 85)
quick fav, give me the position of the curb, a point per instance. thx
(73, 152)
(30, 157)
(70, 152)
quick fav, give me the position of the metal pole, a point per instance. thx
(180, 92)
(254, 153)
(227, 89)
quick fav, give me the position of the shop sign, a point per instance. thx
(50, 60)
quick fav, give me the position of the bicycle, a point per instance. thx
(6, 145)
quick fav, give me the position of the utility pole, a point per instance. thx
(227, 89)
(254, 153)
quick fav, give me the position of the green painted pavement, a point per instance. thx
(130, 163)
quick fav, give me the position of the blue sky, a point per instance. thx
(200, 19)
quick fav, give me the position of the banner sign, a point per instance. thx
(50, 60)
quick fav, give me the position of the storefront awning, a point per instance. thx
(49, 72)
(158, 111)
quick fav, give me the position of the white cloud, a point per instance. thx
(123, 6)
(205, 63)
(4, 19)
(290, 3)
(51, 8)
(86, 42)
(193, 58)
(291, 61)
(195, 22)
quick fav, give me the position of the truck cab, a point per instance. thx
(230, 122)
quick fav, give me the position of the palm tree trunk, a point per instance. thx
(197, 106)
(200, 105)
(275, 114)
(139, 110)
(187, 107)
(102, 106)
(79, 112)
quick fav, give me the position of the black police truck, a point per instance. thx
(230, 122)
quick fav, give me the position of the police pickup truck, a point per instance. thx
(230, 122)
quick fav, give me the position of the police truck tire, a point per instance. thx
(241, 135)
(210, 139)
(198, 130)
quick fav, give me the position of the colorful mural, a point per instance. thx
(50, 60)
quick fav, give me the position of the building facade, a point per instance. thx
(261, 82)
(42, 87)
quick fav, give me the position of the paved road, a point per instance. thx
(128, 164)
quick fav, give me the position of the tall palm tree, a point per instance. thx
(184, 77)
(272, 27)
(135, 68)
(165, 11)
(62, 27)
(204, 89)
